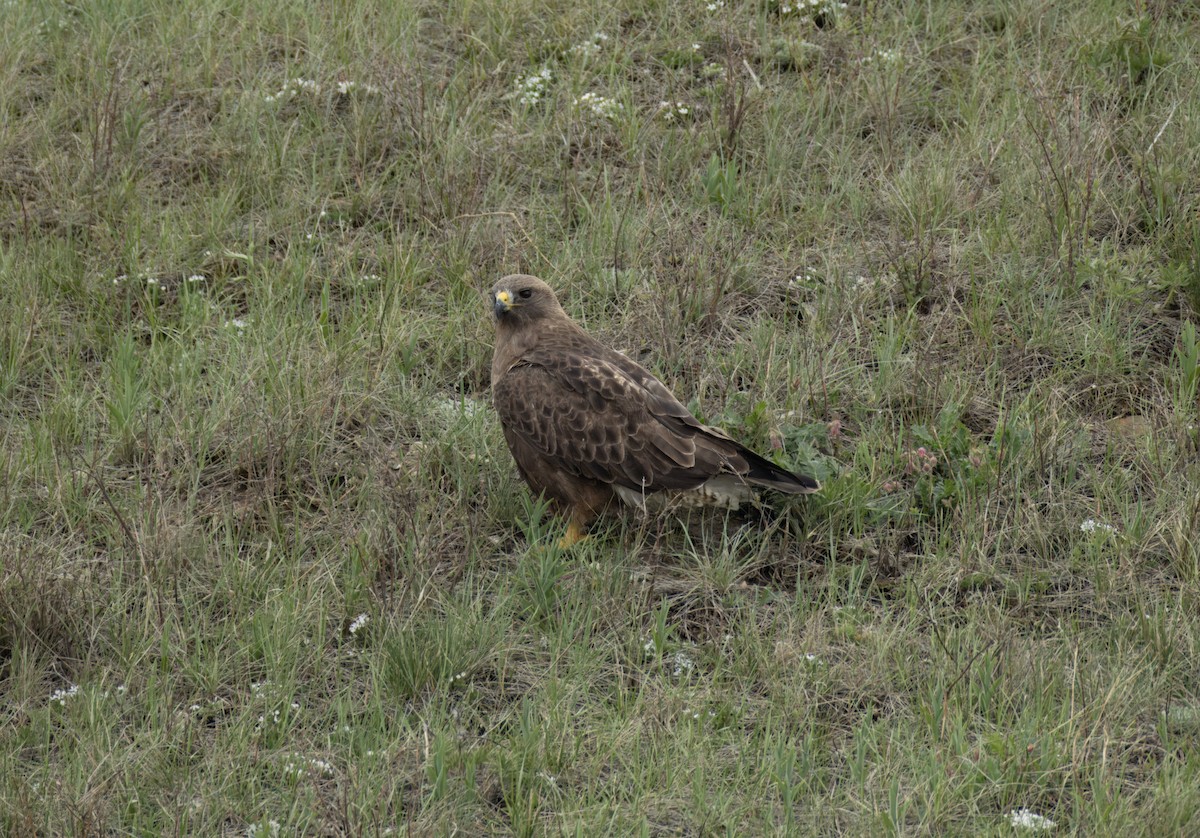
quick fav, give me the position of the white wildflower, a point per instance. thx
(591, 46)
(600, 107)
(882, 56)
(811, 7)
(1025, 819)
(270, 829)
(239, 324)
(60, 697)
(1091, 525)
(291, 88)
(807, 278)
(298, 767)
(550, 779)
(359, 621)
(533, 87)
(682, 663)
(52, 25)
(457, 407)
(345, 87)
(672, 111)
(715, 4)
(195, 278)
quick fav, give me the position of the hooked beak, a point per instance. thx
(502, 304)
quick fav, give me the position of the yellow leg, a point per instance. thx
(572, 536)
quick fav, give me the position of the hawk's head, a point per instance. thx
(520, 299)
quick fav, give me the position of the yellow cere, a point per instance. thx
(504, 297)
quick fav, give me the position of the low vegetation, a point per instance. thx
(267, 567)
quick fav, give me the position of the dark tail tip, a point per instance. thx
(765, 473)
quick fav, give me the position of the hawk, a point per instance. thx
(586, 425)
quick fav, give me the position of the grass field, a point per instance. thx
(268, 569)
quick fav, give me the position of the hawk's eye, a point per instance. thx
(525, 293)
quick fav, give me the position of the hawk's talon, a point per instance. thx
(572, 536)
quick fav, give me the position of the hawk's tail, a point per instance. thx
(763, 472)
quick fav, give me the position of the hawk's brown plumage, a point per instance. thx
(585, 424)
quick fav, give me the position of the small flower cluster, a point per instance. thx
(600, 107)
(674, 111)
(266, 691)
(60, 697)
(810, 7)
(682, 663)
(591, 46)
(298, 766)
(301, 85)
(146, 279)
(276, 716)
(458, 407)
(807, 278)
(151, 281)
(533, 87)
(267, 829)
(920, 461)
(51, 25)
(834, 429)
(715, 5)
(882, 56)
(291, 88)
(237, 323)
(359, 622)
(1025, 819)
(1091, 525)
